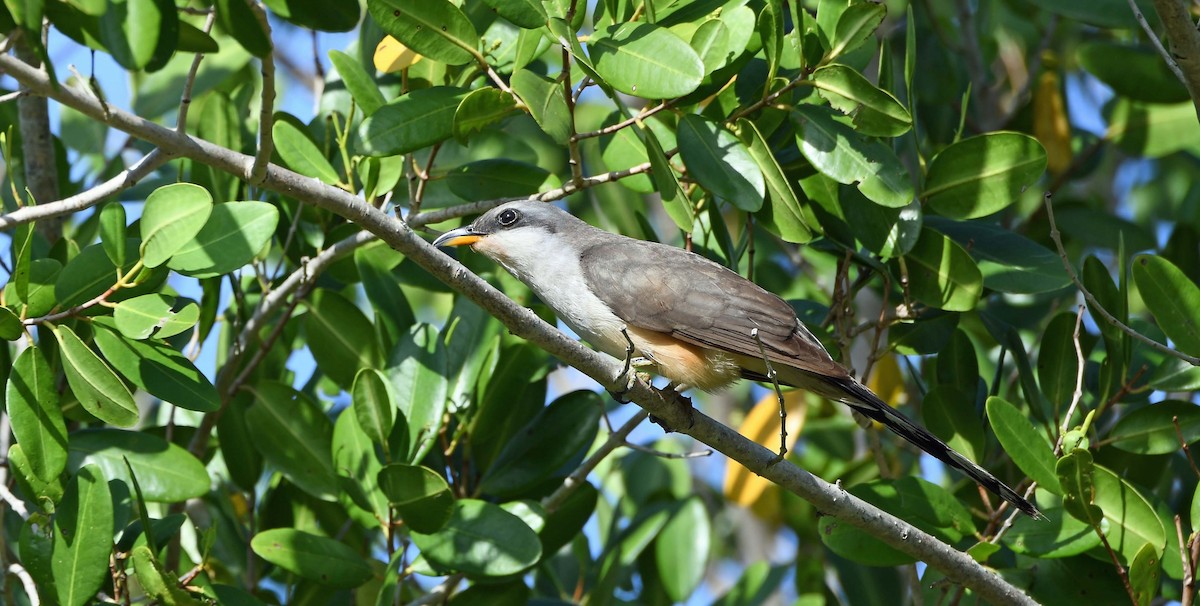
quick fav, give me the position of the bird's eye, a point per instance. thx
(508, 217)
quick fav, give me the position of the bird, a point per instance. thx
(687, 318)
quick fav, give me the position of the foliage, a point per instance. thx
(221, 389)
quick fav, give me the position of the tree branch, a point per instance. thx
(1184, 57)
(832, 500)
(37, 147)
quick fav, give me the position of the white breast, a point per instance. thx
(550, 267)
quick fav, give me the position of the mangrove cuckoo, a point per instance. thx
(689, 319)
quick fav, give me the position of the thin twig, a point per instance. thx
(1156, 43)
(1183, 444)
(266, 115)
(771, 374)
(1094, 305)
(1189, 566)
(612, 128)
(185, 101)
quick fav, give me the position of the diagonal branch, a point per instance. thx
(832, 500)
(1184, 57)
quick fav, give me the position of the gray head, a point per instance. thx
(517, 228)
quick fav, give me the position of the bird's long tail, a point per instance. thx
(864, 401)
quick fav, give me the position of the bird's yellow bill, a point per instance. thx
(460, 240)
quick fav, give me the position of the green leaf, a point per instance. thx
(166, 472)
(924, 336)
(840, 153)
(341, 338)
(855, 25)
(1173, 298)
(434, 28)
(1009, 261)
(1058, 536)
(1076, 474)
(295, 437)
(529, 14)
(567, 426)
(134, 31)
(942, 274)
(682, 548)
(499, 178)
(1131, 517)
(645, 61)
(312, 557)
(374, 405)
(421, 496)
(413, 121)
(1152, 130)
(318, 14)
(875, 112)
(481, 108)
(299, 151)
(481, 539)
(1152, 430)
(720, 163)
(1145, 569)
(238, 19)
(83, 532)
(1058, 363)
(949, 412)
(156, 584)
(1132, 71)
(137, 318)
(417, 369)
(856, 545)
(159, 369)
(234, 234)
(981, 175)
(675, 201)
(712, 42)
(546, 101)
(10, 325)
(36, 545)
(382, 287)
(782, 213)
(97, 387)
(361, 85)
(87, 275)
(357, 464)
(566, 521)
(1028, 448)
(112, 232)
(33, 409)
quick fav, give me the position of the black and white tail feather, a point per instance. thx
(869, 405)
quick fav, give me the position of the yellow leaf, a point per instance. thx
(743, 486)
(392, 56)
(1050, 124)
(886, 381)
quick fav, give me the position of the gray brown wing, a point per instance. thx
(700, 302)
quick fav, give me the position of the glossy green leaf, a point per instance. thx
(1173, 298)
(682, 549)
(1113, 14)
(33, 408)
(134, 30)
(481, 539)
(1076, 475)
(499, 178)
(1132, 71)
(565, 521)
(875, 112)
(159, 369)
(1058, 362)
(374, 405)
(1145, 570)
(1176, 375)
(234, 234)
(567, 426)
(238, 19)
(112, 232)
(357, 464)
(436, 29)
(856, 545)
(312, 557)
(342, 339)
(646, 61)
(421, 496)
(721, 163)
(36, 545)
(713, 43)
(139, 317)
(942, 274)
(86, 276)
(510, 399)
(1131, 517)
(83, 532)
(1028, 448)
(10, 325)
(1153, 130)
(361, 85)
(981, 175)
(299, 151)
(529, 14)
(1152, 430)
(380, 282)
(1009, 261)
(193, 40)
(481, 108)
(857, 23)
(923, 336)
(1058, 536)
(155, 582)
(295, 437)
(166, 472)
(837, 151)
(546, 101)
(674, 199)
(94, 383)
(417, 369)
(42, 285)
(318, 14)
(413, 121)
(782, 213)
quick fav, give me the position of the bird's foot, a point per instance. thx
(673, 394)
(628, 377)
